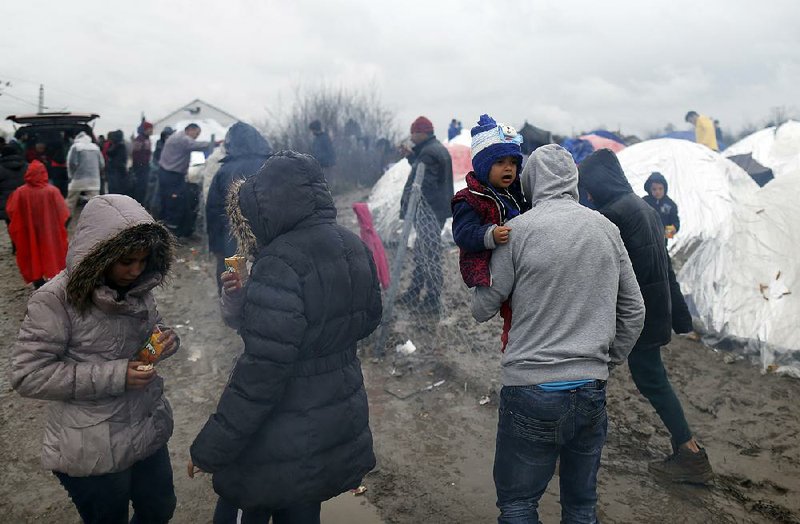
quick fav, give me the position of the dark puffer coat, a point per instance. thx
(437, 185)
(643, 234)
(245, 152)
(292, 424)
(12, 175)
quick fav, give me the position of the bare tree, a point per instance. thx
(360, 126)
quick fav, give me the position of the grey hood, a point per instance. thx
(550, 172)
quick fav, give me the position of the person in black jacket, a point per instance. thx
(434, 208)
(292, 426)
(657, 187)
(643, 235)
(12, 175)
(117, 164)
(245, 152)
(321, 146)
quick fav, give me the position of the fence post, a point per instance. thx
(399, 258)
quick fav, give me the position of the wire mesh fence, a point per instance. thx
(427, 305)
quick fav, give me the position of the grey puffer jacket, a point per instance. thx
(78, 336)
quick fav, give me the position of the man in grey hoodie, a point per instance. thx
(577, 313)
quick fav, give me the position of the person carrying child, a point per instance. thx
(37, 217)
(79, 347)
(492, 197)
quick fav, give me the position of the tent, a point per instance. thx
(704, 185)
(777, 148)
(760, 174)
(586, 144)
(743, 283)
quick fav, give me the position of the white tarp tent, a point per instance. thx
(743, 283)
(775, 148)
(384, 199)
(704, 185)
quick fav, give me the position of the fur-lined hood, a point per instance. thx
(289, 191)
(109, 227)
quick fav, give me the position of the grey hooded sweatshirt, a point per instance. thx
(84, 164)
(577, 307)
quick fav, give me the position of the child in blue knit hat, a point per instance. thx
(492, 197)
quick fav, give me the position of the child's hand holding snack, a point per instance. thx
(139, 374)
(231, 282)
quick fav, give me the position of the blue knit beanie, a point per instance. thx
(490, 142)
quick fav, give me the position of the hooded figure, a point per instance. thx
(603, 178)
(38, 216)
(246, 150)
(84, 164)
(92, 335)
(577, 314)
(74, 349)
(667, 210)
(666, 207)
(12, 174)
(640, 226)
(292, 425)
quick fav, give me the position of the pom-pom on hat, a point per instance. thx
(422, 125)
(490, 142)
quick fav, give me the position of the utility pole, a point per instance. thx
(41, 98)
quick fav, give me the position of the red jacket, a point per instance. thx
(38, 215)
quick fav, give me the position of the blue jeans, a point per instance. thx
(104, 499)
(535, 429)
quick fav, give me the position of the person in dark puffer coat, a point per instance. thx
(292, 426)
(12, 175)
(245, 152)
(643, 235)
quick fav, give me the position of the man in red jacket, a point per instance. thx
(38, 215)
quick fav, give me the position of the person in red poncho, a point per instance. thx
(38, 215)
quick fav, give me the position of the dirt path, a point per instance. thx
(435, 445)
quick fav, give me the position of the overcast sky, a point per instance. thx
(565, 66)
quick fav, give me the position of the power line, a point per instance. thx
(34, 104)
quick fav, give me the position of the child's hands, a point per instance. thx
(231, 282)
(136, 379)
(500, 234)
(169, 342)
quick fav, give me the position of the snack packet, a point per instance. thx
(237, 264)
(152, 349)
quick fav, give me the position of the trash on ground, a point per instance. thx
(484, 400)
(407, 348)
(359, 490)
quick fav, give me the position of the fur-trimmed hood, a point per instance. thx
(109, 227)
(287, 192)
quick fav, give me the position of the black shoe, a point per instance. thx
(684, 466)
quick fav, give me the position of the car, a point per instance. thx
(48, 136)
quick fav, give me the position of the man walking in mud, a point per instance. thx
(643, 233)
(576, 317)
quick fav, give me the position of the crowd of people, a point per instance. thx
(580, 293)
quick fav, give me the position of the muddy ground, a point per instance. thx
(435, 444)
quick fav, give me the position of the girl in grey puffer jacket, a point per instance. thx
(108, 424)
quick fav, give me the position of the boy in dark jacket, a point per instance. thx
(292, 426)
(643, 235)
(492, 197)
(657, 187)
